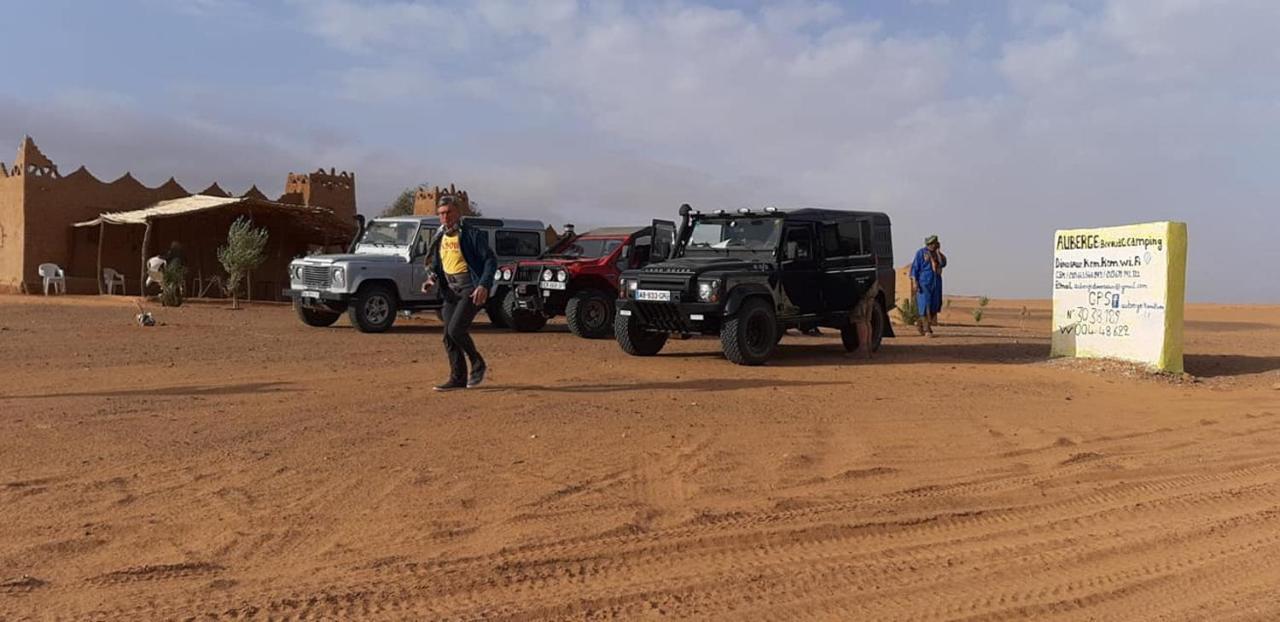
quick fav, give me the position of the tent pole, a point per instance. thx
(102, 232)
(142, 281)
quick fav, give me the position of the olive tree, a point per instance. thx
(244, 252)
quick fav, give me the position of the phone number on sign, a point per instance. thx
(1096, 330)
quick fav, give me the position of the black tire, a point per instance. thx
(522, 321)
(373, 310)
(849, 333)
(634, 339)
(750, 335)
(589, 314)
(319, 318)
(495, 310)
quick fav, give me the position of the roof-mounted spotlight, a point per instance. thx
(744, 211)
(771, 210)
(721, 212)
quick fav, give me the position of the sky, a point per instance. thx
(990, 123)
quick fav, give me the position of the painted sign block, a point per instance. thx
(1118, 292)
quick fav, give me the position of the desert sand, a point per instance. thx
(237, 465)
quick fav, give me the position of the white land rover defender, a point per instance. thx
(384, 271)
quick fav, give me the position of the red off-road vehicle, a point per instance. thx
(577, 278)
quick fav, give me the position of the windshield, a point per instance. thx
(389, 233)
(750, 234)
(586, 249)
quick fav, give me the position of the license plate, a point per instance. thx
(310, 294)
(658, 295)
(552, 285)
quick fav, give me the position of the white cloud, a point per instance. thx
(1096, 112)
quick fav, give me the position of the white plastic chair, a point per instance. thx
(111, 279)
(53, 275)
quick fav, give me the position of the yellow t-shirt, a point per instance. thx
(451, 258)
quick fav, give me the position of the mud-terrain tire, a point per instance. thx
(589, 314)
(522, 321)
(750, 335)
(373, 309)
(635, 340)
(495, 308)
(319, 318)
(849, 333)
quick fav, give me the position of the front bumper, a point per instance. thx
(673, 317)
(527, 297)
(309, 295)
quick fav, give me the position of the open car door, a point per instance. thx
(664, 240)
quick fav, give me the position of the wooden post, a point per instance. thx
(102, 237)
(142, 282)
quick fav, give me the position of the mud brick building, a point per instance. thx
(39, 206)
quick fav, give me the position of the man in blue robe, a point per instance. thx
(926, 282)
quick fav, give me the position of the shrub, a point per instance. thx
(907, 311)
(171, 290)
(977, 315)
(983, 301)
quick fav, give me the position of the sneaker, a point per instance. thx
(449, 386)
(477, 376)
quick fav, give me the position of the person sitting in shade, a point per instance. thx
(155, 271)
(926, 282)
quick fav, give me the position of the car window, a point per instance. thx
(799, 244)
(847, 239)
(517, 243)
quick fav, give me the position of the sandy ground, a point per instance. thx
(238, 465)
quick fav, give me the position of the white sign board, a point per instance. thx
(1118, 292)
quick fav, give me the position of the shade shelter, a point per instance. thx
(200, 222)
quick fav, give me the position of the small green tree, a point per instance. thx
(244, 252)
(977, 315)
(983, 301)
(907, 312)
(171, 290)
(403, 205)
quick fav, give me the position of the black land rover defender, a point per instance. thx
(751, 275)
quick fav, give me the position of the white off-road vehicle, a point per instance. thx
(385, 269)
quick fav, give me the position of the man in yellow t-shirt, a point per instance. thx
(463, 264)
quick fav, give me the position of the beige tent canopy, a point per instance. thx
(320, 221)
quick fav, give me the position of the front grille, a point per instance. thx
(663, 281)
(661, 316)
(316, 276)
(527, 274)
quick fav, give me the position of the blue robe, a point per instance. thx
(929, 294)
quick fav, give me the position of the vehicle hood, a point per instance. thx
(694, 266)
(559, 261)
(351, 257)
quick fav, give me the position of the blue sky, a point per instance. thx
(990, 123)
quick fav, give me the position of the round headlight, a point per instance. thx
(295, 271)
(506, 274)
(339, 277)
(633, 284)
(547, 274)
(562, 276)
(709, 291)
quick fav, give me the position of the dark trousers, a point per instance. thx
(459, 311)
